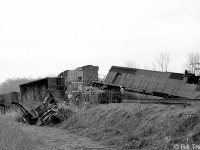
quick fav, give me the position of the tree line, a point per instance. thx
(162, 62)
(12, 85)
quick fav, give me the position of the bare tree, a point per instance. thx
(193, 63)
(131, 64)
(163, 61)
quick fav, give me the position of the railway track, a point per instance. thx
(166, 101)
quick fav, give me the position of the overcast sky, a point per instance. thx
(43, 37)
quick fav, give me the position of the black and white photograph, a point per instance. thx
(100, 75)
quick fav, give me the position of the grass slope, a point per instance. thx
(11, 137)
(138, 126)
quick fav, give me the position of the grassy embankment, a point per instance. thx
(138, 126)
(11, 137)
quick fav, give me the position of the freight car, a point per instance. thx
(140, 83)
(37, 88)
(69, 80)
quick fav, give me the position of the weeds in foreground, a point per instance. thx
(11, 137)
(138, 126)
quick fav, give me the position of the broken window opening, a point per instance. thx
(116, 77)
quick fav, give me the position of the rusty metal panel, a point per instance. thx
(157, 77)
(112, 77)
(128, 80)
(152, 86)
(131, 79)
(182, 90)
(168, 89)
(196, 94)
(146, 77)
(116, 78)
(160, 88)
(182, 93)
(165, 77)
(146, 85)
(161, 76)
(141, 77)
(122, 79)
(183, 86)
(150, 78)
(176, 89)
(136, 84)
(173, 82)
(137, 76)
(107, 79)
(190, 87)
(191, 94)
(187, 86)
(143, 85)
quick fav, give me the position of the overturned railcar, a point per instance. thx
(68, 80)
(141, 83)
(37, 88)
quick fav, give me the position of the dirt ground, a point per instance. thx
(49, 138)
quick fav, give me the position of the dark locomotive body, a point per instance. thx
(141, 83)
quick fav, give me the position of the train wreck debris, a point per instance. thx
(122, 84)
(48, 113)
(38, 87)
(148, 84)
(95, 95)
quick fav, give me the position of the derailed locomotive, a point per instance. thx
(138, 84)
(148, 84)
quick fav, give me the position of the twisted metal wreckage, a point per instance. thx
(142, 85)
(46, 113)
